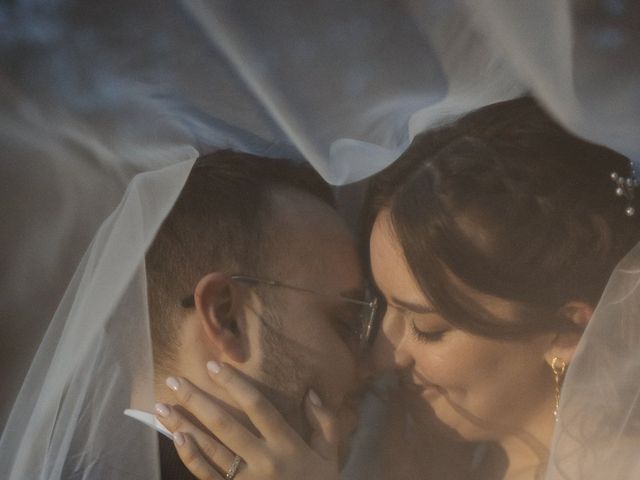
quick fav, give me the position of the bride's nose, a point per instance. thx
(388, 352)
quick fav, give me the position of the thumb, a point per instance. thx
(324, 435)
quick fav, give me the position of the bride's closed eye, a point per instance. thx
(427, 327)
(427, 336)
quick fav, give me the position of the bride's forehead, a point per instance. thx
(384, 245)
(389, 267)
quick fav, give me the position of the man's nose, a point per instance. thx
(365, 374)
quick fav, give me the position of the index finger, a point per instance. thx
(264, 416)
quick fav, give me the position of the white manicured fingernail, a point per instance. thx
(315, 399)
(213, 366)
(178, 438)
(173, 383)
(162, 410)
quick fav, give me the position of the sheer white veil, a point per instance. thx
(599, 420)
(106, 105)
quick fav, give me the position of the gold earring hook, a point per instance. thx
(558, 366)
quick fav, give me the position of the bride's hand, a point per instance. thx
(280, 453)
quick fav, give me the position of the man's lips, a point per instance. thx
(350, 408)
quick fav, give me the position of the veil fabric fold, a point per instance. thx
(104, 107)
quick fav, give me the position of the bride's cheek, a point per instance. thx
(439, 363)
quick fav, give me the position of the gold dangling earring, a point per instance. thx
(558, 366)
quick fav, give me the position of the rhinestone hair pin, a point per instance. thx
(625, 187)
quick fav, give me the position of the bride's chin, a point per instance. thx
(446, 424)
(420, 410)
(426, 420)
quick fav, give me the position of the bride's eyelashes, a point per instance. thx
(427, 336)
(422, 335)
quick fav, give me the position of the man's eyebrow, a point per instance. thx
(412, 307)
(357, 293)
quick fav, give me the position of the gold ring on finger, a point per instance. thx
(233, 469)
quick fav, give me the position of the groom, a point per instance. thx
(254, 268)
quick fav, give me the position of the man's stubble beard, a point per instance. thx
(287, 373)
(289, 369)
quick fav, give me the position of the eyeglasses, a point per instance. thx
(366, 317)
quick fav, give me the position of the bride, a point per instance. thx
(491, 242)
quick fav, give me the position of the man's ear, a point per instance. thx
(564, 344)
(218, 302)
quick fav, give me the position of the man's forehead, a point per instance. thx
(297, 205)
(303, 217)
(314, 245)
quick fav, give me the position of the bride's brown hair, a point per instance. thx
(513, 205)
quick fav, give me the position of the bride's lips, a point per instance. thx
(421, 388)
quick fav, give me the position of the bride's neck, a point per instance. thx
(527, 450)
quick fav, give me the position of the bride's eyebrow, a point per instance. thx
(412, 307)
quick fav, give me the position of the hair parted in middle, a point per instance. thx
(511, 204)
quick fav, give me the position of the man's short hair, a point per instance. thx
(219, 223)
